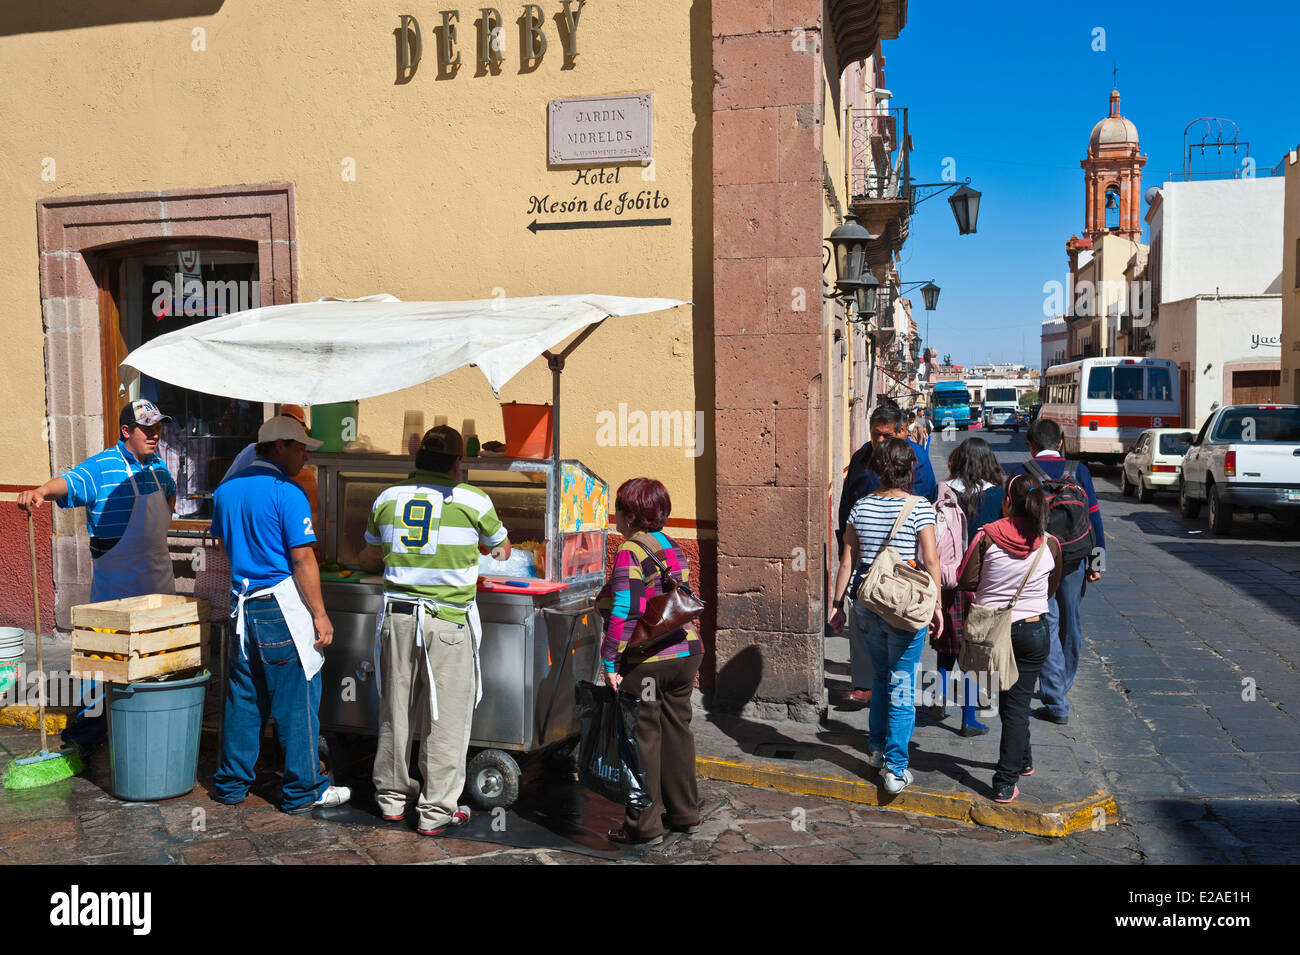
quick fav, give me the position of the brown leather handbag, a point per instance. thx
(670, 610)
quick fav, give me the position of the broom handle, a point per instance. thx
(36, 602)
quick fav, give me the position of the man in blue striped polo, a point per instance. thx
(426, 535)
(129, 496)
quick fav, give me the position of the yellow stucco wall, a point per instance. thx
(444, 169)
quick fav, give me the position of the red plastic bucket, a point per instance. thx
(528, 430)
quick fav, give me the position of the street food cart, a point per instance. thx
(540, 632)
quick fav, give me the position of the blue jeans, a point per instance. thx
(863, 673)
(1066, 641)
(266, 679)
(895, 655)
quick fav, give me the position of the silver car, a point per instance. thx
(1153, 463)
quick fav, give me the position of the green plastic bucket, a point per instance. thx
(11, 656)
(335, 424)
(153, 737)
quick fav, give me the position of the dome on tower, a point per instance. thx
(1114, 130)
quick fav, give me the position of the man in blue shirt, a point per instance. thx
(129, 496)
(264, 521)
(1063, 620)
(885, 422)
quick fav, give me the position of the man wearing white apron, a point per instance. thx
(129, 496)
(426, 535)
(280, 626)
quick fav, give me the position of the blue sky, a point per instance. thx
(1011, 90)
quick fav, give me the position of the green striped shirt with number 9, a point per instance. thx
(429, 531)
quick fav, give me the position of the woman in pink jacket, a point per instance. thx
(1001, 556)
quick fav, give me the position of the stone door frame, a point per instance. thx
(71, 234)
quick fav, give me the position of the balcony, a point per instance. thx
(858, 25)
(880, 177)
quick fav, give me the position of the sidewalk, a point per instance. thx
(953, 774)
(1067, 793)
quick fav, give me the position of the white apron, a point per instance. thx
(475, 631)
(139, 562)
(296, 615)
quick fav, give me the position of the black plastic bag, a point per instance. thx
(609, 760)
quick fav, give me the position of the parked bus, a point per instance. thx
(1104, 404)
(951, 405)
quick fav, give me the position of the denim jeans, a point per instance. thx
(1066, 642)
(267, 680)
(862, 672)
(1029, 643)
(895, 655)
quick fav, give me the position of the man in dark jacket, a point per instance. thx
(1063, 622)
(886, 422)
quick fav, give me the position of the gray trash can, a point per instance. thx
(153, 737)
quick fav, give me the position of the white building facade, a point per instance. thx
(1215, 267)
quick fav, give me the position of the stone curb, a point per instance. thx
(28, 717)
(1058, 819)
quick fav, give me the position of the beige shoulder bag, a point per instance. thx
(986, 643)
(902, 596)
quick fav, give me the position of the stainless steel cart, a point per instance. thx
(538, 639)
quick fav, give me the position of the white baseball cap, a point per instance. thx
(284, 428)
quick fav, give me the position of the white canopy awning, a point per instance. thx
(340, 350)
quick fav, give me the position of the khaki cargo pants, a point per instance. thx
(405, 715)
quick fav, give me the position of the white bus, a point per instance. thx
(1104, 404)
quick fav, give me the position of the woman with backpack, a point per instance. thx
(1014, 563)
(894, 518)
(969, 499)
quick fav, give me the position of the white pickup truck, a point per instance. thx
(1246, 458)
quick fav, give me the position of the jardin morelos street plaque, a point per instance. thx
(602, 129)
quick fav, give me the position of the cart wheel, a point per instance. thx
(492, 778)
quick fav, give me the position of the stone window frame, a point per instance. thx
(72, 232)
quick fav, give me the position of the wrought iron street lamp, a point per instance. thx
(848, 242)
(853, 279)
(965, 202)
(929, 292)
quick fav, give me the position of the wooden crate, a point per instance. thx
(136, 638)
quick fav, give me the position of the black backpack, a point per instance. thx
(1067, 514)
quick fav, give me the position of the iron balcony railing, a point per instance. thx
(879, 157)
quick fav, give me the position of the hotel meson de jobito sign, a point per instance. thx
(583, 131)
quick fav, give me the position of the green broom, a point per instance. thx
(43, 768)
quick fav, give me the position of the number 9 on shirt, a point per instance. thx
(416, 524)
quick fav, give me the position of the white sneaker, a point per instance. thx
(460, 816)
(334, 796)
(896, 784)
(876, 758)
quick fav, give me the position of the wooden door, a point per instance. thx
(1256, 387)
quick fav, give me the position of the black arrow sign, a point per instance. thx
(534, 227)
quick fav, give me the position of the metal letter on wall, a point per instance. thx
(410, 47)
(593, 130)
(447, 55)
(570, 37)
(534, 38)
(490, 49)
